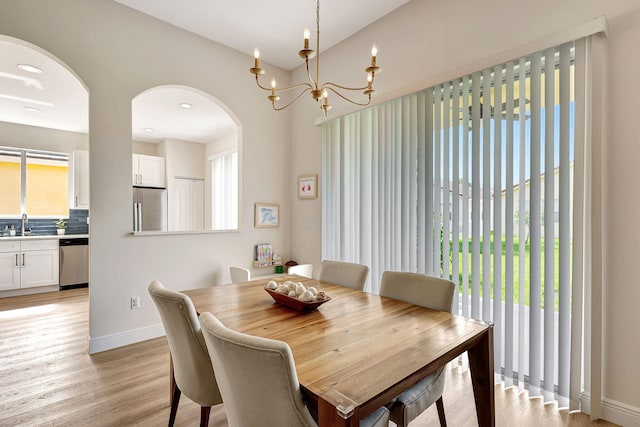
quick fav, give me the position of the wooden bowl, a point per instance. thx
(295, 303)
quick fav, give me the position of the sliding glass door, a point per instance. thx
(470, 180)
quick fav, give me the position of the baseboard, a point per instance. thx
(29, 291)
(620, 413)
(108, 342)
(613, 411)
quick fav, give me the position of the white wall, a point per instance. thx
(222, 144)
(118, 54)
(184, 159)
(37, 138)
(147, 148)
(431, 41)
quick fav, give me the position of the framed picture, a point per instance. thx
(308, 186)
(267, 215)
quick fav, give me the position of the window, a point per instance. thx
(224, 189)
(469, 180)
(34, 182)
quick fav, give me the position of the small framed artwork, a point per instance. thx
(267, 215)
(308, 186)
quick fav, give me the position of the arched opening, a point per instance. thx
(44, 169)
(186, 148)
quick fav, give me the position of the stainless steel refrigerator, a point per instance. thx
(149, 209)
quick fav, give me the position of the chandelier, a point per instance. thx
(318, 91)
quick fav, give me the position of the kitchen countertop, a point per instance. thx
(44, 237)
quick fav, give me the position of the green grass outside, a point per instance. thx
(517, 266)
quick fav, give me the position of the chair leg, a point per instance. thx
(440, 406)
(204, 415)
(174, 404)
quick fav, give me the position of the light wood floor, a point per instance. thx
(47, 377)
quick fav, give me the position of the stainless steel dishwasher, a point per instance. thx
(74, 263)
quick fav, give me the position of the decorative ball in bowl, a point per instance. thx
(295, 295)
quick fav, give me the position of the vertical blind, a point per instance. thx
(469, 180)
(224, 191)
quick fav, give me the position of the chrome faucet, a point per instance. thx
(25, 220)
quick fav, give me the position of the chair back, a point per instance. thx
(345, 274)
(239, 275)
(305, 270)
(257, 378)
(192, 367)
(419, 289)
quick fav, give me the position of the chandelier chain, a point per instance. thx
(317, 42)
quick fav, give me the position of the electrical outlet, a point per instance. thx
(135, 302)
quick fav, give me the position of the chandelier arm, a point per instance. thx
(294, 99)
(259, 85)
(362, 104)
(313, 82)
(328, 84)
(284, 88)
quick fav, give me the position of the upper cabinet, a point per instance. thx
(148, 171)
(80, 183)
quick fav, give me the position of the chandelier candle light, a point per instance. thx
(316, 89)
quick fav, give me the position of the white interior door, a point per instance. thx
(197, 204)
(188, 211)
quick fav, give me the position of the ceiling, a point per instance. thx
(274, 26)
(56, 99)
(59, 99)
(157, 114)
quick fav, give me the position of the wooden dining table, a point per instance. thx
(359, 350)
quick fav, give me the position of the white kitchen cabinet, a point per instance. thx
(28, 263)
(148, 171)
(79, 191)
(9, 265)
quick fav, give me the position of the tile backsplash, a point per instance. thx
(76, 224)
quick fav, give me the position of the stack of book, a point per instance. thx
(265, 257)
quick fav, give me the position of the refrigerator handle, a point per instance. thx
(140, 216)
(135, 216)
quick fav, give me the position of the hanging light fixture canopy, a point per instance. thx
(318, 91)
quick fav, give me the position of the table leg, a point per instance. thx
(481, 365)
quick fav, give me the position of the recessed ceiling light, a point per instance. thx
(30, 68)
(148, 130)
(33, 109)
(186, 105)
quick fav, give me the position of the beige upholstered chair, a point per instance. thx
(426, 291)
(305, 270)
(258, 380)
(431, 292)
(192, 367)
(239, 275)
(345, 274)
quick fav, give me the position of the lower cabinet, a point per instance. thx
(28, 263)
(9, 271)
